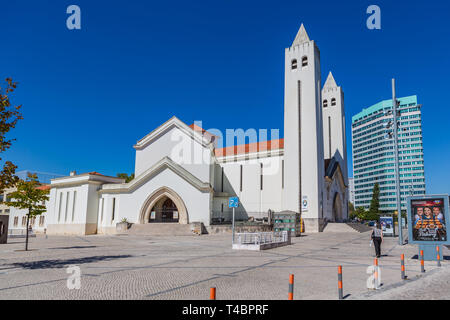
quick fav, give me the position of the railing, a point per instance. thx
(225, 217)
(20, 232)
(258, 238)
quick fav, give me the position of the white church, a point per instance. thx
(182, 177)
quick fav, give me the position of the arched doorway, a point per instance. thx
(164, 206)
(337, 207)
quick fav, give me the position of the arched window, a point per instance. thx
(304, 61)
(294, 64)
(333, 101)
(325, 103)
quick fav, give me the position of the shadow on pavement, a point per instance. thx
(74, 247)
(49, 264)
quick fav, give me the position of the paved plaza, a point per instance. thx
(185, 267)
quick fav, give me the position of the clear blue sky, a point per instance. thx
(89, 95)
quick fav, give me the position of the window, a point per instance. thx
(333, 102)
(294, 64)
(73, 206)
(41, 221)
(32, 221)
(304, 61)
(113, 209)
(261, 176)
(24, 221)
(16, 221)
(240, 186)
(59, 207)
(222, 181)
(101, 208)
(325, 103)
(67, 206)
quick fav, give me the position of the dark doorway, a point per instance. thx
(164, 211)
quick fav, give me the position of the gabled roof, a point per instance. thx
(172, 122)
(301, 36)
(164, 163)
(330, 83)
(250, 148)
(332, 167)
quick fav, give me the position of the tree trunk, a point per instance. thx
(26, 241)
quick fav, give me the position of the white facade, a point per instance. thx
(17, 220)
(181, 176)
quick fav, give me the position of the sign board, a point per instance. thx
(428, 218)
(387, 225)
(233, 202)
(304, 203)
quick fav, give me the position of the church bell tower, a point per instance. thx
(303, 131)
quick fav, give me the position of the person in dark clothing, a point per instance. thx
(377, 238)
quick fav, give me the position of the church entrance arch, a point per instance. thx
(337, 207)
(164, 206)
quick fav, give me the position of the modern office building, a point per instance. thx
(351, 190)
(373, 153)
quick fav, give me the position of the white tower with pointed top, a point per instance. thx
(303, 132)
(334, 124)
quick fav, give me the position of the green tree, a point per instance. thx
(360, 213)
(374, 209)
(351, 211)
(125, 176)
(9, 115)
(29, 196)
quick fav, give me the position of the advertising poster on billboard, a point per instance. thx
(428, 220)
(387, 225)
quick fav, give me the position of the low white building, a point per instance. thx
(17, 221)
(182, 176)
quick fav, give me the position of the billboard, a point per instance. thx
(387, 225)
(428, 218)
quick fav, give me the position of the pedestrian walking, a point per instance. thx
(377, 238)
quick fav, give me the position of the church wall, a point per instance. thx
(181, 148)
(61, 216)
(129, 205)
(337, 137)
(310, 124)
(252, 198)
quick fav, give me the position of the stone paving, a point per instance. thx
(185, 267)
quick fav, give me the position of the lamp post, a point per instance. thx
(395, 104)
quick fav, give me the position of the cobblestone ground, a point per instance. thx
(185, 267)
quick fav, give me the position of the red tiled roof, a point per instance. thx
(250, 147)
(44, 187)
(197, 128)
(95, 173)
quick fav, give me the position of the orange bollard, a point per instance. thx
(375, 263)
(340, 287)
(212, 293)
(402, 260)
(291, 287)
(422, 263)
(438, 257)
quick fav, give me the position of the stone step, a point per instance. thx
(161, 229)
(359, 227)
(338, 227)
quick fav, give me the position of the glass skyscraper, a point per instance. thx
(373, 153)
